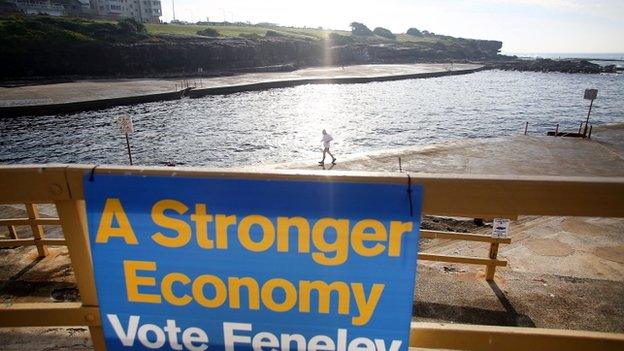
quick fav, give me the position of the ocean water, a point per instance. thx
(593, 56)
(282, 125)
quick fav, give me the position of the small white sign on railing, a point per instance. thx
(500, 227)
(124, 122)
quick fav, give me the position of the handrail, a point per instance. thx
(436, 234)
(476, 196)
(29, 221)
(495, 338)
(490, 263)
(29, 242)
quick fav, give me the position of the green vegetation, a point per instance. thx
(340, 38)
(414, 32)
(16, 30)
(131, 27)
(43, 28)
(208, 32)
(383, 32)
(243, 31)
(250, 36)
(360, 29)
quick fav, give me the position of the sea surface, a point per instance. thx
(282, 125)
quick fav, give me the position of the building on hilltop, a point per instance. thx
(52, 7)
(140, 10)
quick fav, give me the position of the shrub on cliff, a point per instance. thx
(131, 26)
(414, 32)
(383, 32)
(360, 29)
(208, 32)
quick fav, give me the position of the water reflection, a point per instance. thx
(285, 124)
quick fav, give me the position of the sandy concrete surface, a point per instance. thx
(603, 155)
(84, 90)
(563, 272)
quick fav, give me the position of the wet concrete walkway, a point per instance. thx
(87, 90)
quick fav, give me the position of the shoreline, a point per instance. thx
(249, 83)
(517, 155)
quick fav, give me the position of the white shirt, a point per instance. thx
(326, 140)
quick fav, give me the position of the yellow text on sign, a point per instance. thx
(366, 237)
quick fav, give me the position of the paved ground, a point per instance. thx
(603, 155)
(564, 272)
(113, 88)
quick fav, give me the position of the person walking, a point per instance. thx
(326, 145)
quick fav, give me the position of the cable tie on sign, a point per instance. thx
(92, 173)
(409, 195)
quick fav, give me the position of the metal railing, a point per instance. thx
(449, 195)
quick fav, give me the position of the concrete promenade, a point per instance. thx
(88, 90)
(532, 154)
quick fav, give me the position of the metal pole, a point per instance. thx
(526, 127)
(588, 113)
(400, 169)
(129, 152)
(557, 129)
(590, 129)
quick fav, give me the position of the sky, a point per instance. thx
(524, 26)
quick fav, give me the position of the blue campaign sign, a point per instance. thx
(253, 264)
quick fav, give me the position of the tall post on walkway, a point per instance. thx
(129, 151)
(590, 94)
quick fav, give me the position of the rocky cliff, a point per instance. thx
(183, 55)
(55, 48)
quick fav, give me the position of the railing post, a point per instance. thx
(37, 230)
(491, 268)
(590, 130)
(72, 215)
(557, 129)
(12, 232)
(526, 127)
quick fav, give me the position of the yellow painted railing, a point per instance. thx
(451, 195)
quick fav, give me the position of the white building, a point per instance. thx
(140, 10)
(53, 7)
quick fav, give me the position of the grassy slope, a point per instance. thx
(309, 33)
(41, 27)
(233, 31)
